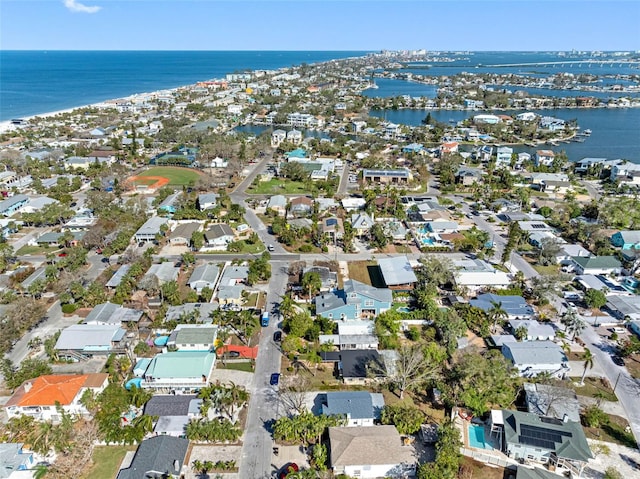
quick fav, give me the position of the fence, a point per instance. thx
(485, 458)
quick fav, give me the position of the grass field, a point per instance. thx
(176, 176)
(277, 186)
(28, 249)
(359, 270)
(106, 461)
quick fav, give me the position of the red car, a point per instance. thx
(288, 469)
(62, 255)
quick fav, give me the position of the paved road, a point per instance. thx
(263, 405)
(627, 389)
(516, 262)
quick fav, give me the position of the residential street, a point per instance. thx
(626, 388)
(257, 441)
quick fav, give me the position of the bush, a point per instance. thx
(413, 333)
(593, 416)
(612, 473)
(69, 308)
(305, 248)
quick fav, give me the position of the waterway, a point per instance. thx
(615, 131)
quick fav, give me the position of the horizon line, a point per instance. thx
(454, 50)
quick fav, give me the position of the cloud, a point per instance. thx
(78, 7)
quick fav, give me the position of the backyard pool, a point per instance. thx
(427, 241)
(477, 437)
(405, 309)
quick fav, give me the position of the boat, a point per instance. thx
(373, 86)
(579, 140)
(586, 132)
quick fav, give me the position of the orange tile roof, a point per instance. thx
(47, 390)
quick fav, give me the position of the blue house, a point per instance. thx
(355, 301)
(12, 204)
(515, 306)
(413, 148)
(626, 239)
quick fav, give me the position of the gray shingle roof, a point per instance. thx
(535, 352)
(379, 294)
(355, 404)
(168, 405)
(205, 272)
(379, 445)
(158, 454)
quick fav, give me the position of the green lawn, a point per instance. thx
(240, 366)
(549, 270)
(106, 461)
(176, 176)
(593, 388)
(278, 186)
(27, 249)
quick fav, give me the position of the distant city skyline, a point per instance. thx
(319, 25)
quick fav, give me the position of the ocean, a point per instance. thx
(36, 82)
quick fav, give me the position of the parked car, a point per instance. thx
(270, 247)
(289, 468)
(277, 336)
(275, 379)
(617, 360)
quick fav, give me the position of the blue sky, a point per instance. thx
(319, 25)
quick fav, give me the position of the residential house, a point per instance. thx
(218, 236)
(387, 176)
(81, 341)
(118, 276)
(173, 412)
(150, 229)
(624, 173)
(294, 136)
(207, 201)
(467, 176)
(567, 251)
(169, 204)
(395, 230)
(544, 157)
(626, 239)
(475, 275)
(193, 337)
(552, 401)
(624, 308)
(515, 307)
(179, 371)
(232, 284)
(360, 408)
(360, 367)
(53, 239)
(159, 457)
(191, 312)
(204, 276)
(183, 232)
(15, 463)
(353, 204)
(503, 156)
(301, 206)
(40, 397)
(370, 452)
(535, 357)
(596, 265)
(361, 223)
(352, 335)
(13, 204)
(164, 272)
(278, 203)
(442, 226)
(277, 137)
(448, 148)
(113, 314)
(535, 331)
(332, 227)
(529, 437)
(397, 273)
(328, 278)
(355, 301)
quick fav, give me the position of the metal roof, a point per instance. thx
(181, 364)
(397, 270)
(89, 336)
(354, 404)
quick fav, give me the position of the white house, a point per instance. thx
(370, 452)
(534, 357)
(360, 408)
(40, 397)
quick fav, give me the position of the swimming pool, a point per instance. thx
(477, 437)
(405, 309)
(427, 241)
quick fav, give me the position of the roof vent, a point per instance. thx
(176, 465)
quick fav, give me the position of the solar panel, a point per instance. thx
(332, 222)
(536, 442)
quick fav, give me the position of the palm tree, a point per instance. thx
(496, 313)
(588, 358)
(574, 325)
